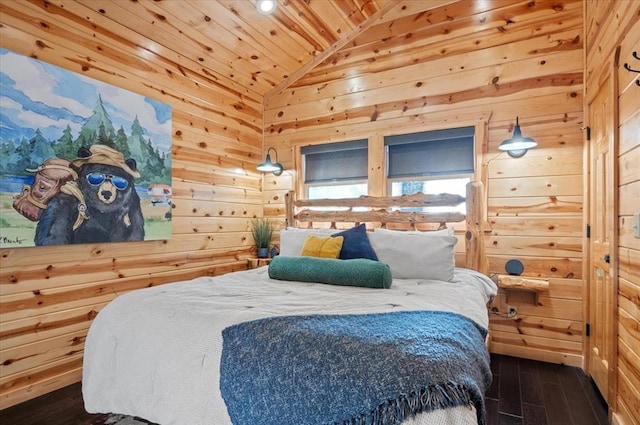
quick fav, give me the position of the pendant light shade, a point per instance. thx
(271, 167)
(517, 145)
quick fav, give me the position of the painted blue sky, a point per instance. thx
(34, 94)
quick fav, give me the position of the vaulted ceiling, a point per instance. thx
(234, 44)
(251, 58)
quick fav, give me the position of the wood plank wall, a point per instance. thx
(50, 294)
(610, 26)
(430, 71)
(448, 67)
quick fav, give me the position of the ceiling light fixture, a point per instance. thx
(266, 7)
(517, 145)
(271, 167)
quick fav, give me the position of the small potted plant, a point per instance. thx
(262, 230)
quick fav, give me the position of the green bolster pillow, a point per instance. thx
(355, 272)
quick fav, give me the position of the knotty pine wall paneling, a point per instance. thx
(458, 66)
(612, 31)
(49, 295)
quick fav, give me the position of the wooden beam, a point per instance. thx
(379, 216)
(416, 200)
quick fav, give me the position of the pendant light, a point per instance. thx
(517, 145)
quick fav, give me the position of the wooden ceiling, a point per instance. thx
(234, 44)
(228, 45)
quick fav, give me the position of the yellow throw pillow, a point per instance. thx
(315, 246)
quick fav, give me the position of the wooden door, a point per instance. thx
(602, 198)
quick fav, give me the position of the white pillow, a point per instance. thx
(443, 232)
(413, 257)
(292, 239)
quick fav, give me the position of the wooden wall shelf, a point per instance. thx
(519, 283)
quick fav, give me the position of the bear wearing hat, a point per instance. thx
(100, 206)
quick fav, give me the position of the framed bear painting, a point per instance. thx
(81, 161)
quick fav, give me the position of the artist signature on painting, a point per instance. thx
(16, 240)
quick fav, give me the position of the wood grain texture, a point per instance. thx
(522, 283)
(49, 295)
(463, 65)
(412, 70)
(380, 211)
(611, 27)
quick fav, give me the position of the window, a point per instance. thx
(431, 162)
(335, 170)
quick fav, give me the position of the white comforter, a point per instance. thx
(155, 353)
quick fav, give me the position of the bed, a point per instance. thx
(262, 348)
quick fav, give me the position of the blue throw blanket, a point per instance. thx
(352, 369)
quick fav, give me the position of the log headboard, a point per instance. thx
(381, 211)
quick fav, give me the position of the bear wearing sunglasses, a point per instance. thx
(100, 206)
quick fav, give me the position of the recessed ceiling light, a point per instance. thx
(266, 7)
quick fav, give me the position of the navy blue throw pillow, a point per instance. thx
(356, 244)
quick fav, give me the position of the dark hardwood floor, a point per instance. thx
(524, 392)
(61, 407)
(527, 392)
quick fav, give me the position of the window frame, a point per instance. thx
(377, 152)
(341, 182)
(426, 177)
